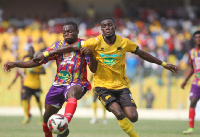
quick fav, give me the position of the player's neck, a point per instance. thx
(110, 40)
(73, 41)
(198, 47)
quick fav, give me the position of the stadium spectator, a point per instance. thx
(14, 42)
(149, 98)
(118, 13)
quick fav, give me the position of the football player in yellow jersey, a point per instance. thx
(20, 73)
(31, 86)
(110, 81)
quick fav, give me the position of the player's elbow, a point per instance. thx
(93, 69)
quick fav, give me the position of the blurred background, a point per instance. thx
(162, 28)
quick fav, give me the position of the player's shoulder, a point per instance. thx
(58, 43)
(192, 50)
(96, 39)
(122, 38)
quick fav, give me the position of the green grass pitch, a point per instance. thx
(80, 127)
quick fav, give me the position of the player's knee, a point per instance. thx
(134, 117)
(119, 114)
(74, 94)
(193, 103)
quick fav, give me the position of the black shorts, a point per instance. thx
(28, 92)
(108, 96)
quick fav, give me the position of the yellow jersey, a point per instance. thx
(111, 61)
(32, 80)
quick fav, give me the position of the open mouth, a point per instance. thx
(108, 32)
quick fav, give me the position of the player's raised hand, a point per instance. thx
(86, 51)
(8, 66)
(39, 57)
(172, 68)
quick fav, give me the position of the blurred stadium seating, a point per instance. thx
(164, 30)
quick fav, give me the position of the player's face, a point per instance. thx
(70, 34)
(197, 39)
(108, 28)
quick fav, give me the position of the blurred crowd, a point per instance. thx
(165, 34)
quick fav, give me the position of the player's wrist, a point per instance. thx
(163, 64)
(46, 54)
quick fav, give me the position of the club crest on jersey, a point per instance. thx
(67, 57)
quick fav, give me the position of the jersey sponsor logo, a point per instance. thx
(109, 61)
(198, 75)
(64, 75)
(110, 55)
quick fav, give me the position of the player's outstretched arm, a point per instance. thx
(65, 49)
(28, 64)
(190, 73)
(148, 57)
(92, 60)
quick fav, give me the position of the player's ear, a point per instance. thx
(77, 31)
(115, 27)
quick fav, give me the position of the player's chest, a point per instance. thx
(70, 58)
(109, 55)
(196, 61)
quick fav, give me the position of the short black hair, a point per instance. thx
(108, 18)
(196, 32)
(73, 24)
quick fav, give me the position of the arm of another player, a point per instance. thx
(92, 61)
(28, 64)
(190, 73)
(148, 57)
(65, 49)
